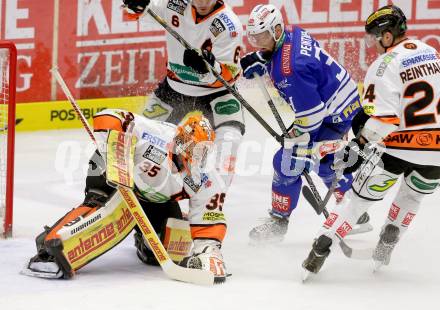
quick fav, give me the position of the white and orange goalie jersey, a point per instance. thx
(157, 178)
(402, 87)
(220, 32)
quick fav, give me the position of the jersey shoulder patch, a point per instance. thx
(230, 22)
(217, 27)
(386, 61)
(177, 6)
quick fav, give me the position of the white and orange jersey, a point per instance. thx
(402, 87)
(156, 176)
(221, 32)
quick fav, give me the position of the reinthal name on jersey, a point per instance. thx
(403, 86)
(221, 32)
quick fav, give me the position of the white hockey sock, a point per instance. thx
(344, 216)
(404, 207)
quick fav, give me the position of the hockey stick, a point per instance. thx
(230, 88)
(311, 193)
(237, 95)
(233, 91)
(172, 270)
(312, 188)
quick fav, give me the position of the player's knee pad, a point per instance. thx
(420, 184)
(372, 182)
(87, 232)
(157, 109)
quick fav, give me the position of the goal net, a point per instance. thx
(8, 57)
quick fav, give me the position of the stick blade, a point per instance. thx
(195, 276)
(308, 195)
(361, 254)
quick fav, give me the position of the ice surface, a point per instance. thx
(50, 180)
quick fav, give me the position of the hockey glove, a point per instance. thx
(352, 151)
(371, 152)
(254, 63)
(137, 6)
(192, 59)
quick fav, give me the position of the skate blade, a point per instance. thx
(45, 275)
(364, 228)
(305, 275)
(377, 266)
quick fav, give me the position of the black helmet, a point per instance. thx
(388, 18)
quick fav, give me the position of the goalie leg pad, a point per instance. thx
(81, 236)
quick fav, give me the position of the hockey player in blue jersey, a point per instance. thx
(321, 93)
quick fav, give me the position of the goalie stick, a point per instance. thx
(172, 270)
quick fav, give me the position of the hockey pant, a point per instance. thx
(286, 189)
(371, 184)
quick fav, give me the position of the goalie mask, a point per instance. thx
(192, 144)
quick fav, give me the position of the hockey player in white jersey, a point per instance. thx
(170, 164)
(402, 90)
(212, 27)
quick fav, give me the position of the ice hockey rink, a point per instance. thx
(50, 172)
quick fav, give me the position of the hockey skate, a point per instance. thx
(320, 251)
(206, 255)
(43, 266)
(362, 225)
(49, 260)
(272, 230)
(388, 240)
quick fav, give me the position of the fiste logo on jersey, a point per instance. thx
(228, 22)
(154, 140)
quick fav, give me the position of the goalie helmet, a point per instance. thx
(193, 142)
(264, 17)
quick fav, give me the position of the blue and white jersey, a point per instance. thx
(312, 82)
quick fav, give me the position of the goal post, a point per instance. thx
(8, 69)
